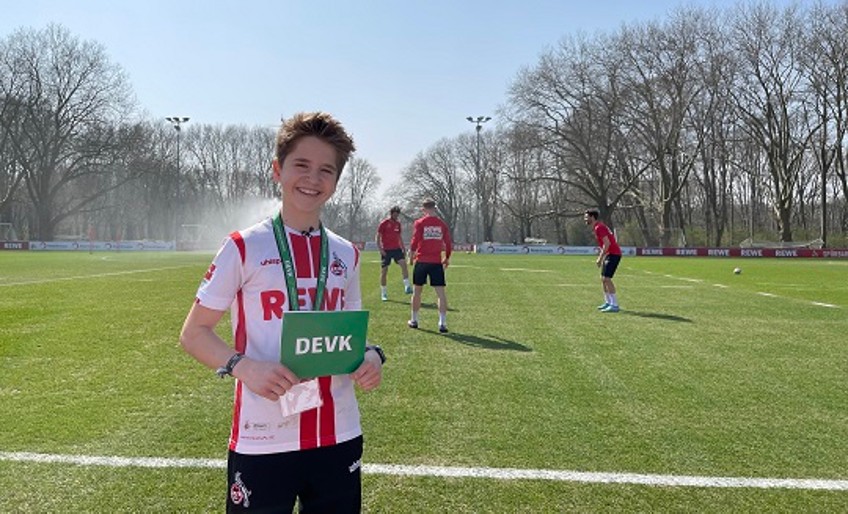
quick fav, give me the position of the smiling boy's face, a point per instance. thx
(307, 178)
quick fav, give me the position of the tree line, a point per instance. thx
(707, 127)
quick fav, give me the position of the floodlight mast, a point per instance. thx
(177, 123)
(478, 121)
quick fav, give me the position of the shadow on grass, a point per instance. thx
(485, 342)
(657, 315)
(424, 305)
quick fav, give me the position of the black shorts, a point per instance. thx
(391, 255)
(324, 479)
(609, 265)
(435, 271)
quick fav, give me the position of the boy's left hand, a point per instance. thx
(369, 374)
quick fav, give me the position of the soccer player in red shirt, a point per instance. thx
(430, 236)
(608, 259)
(390, 244)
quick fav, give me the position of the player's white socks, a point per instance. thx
(383, 290)
(406, 282)
(607, 299)
(613, 300)
(415, 316)
(443, 319)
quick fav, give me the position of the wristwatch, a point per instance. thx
(379, 351)
(227, 369)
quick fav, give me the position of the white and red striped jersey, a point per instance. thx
(247, 278)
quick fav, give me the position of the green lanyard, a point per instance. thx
(288, 265)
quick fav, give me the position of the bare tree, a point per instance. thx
(526, 162)
(712, 116)
(771, 100)
(11, 172)
(662, 72)
(485, 179)
(226, 170)
(573, 101)
(74, 100)
(435, 173)
(356, 188)
(826, 58)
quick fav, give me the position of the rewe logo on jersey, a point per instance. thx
(208, 276)
(274, 301)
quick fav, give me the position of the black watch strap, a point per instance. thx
(227, 369)
(379, 351)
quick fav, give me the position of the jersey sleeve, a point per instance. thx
(416, 237)
(223, 279)
(448, 241)
(353, 293)
(379, 237)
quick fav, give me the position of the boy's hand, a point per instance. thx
(267, 379)
(369, 374)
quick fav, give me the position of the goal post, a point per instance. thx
(191, 233)
(193, 236)
(7, 232)
(815, 244)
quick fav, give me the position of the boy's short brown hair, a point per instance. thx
(320, 125)
(428, 203)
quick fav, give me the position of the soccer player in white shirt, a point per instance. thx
(313, 455)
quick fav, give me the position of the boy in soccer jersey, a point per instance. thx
(608, 259)
(314, 455)
(390, 243)
(430, 236)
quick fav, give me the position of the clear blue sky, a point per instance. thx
(400, 74)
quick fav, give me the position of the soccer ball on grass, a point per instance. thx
(737, 270)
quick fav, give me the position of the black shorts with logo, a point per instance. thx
(391, 255)
(609, 265)
(324, 479)
(435, 271)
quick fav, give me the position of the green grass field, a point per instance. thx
(704, 373)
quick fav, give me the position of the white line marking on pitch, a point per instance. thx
(457, 472)
(98, 275)
(820, 304)
(767, 294)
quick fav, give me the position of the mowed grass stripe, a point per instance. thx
(461, 472)
(788, 287)
(92, 276)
